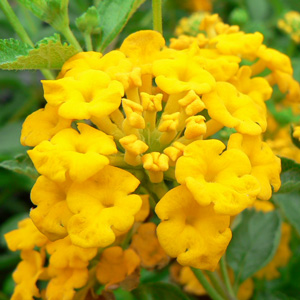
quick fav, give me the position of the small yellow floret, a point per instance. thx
(216, 176)
(71, 153)
(191, 103)
(107, 210)
(42, 125)
(193, 233)
(156, 163)
(195, 127)
(26, 237)
(116, 265)
(51, 213)
(146, 245)
(134, 147)
(90, 93)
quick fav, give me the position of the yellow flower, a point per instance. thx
(244, 83)
(143, 48)
(52, 213)
(143, 213)
(182, 75)
(64, 281)
(26, 237)
(90, 93)
(291, 25)
(115, 265)
(42, 125)
(265, 165)
(217, 177)
(186, 277)
(78, 155)
(80, 62)
(193, 233)
(235, 110)
(27, 274)
(146, 245)
(238, 43)
(66, 255)
(102, 207)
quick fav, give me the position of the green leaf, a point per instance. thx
(49, 53)
(159, 290)
(22, 165)
(89, 21)
(123, 295)
(11, 48)
(254, 243)
(113, 17)
(290, 206)
(272, 296)
(290, 175)
(54, 12)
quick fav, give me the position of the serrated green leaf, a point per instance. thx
(290, 205)
(159, 290)
(22, 165)
(113, 17)
(11, 48)
(254, 243)
(290, 175)
(89, 21)
(49, 53)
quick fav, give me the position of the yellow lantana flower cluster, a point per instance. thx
(142, 124)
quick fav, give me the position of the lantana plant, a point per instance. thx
(154, 158)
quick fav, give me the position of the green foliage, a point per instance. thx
(290, 206)
(158, 290)
(54, 12)
(113, 17)
(49, 53)
(258, 9)
(254, 242)
(21, 164)
(290, 175)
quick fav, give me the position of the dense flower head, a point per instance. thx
(136, 132)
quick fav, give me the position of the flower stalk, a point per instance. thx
(211, 291)
(157, 16)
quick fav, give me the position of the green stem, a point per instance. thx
(207, 286)
(216, 282)
(47, 74)
(88, 42)
(225, 276)
(19, 29)
(157, 16)
(15, 23)
(66, 31)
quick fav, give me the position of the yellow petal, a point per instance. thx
(194, 234)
